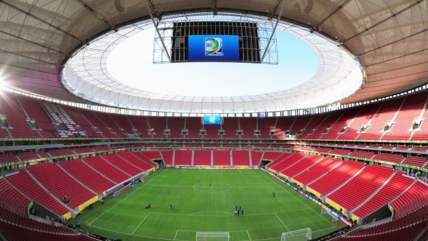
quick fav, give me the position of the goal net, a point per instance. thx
(297, 235)
(333, 216)
(212, 236)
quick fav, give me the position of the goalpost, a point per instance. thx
(297, 235)
(334, 218)
(212, 236)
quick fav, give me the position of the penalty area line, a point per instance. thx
(176, 233)
(282, 222)
(249, 237)
(144, 219)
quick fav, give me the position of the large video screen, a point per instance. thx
(211, 120)
(213, 48)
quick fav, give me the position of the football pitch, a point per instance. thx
(205, 201)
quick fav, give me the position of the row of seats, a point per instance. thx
(123, 164)
(389, 157)
(408, 227)
(107, 169)
(416, 215)
(387, 147)
(88, 176)
(77, 181)
(414, 197)
(341, 182)
(301, 166)
(409, 232)
(22, 220)
(28, 185)
(361, 186)
(208, 158)
(11, 198)
(402, 112)
(184, 158)
(222, 158)
(15, 232)
(286, 161)
(395, 187)
(59, 183)
(336, 177)
(203, 157)
(138, 160)
(316, 171)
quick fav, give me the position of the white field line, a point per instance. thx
(176, 233)
(282, 222)
(296, 198)
(135, 190)
(213, 187)
(260, 214)
(144, 219)
(249, 237)
(214, 215)
(114, 231)
(137, 235)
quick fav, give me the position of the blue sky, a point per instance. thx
(132, 63)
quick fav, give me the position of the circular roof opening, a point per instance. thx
(131, 63)
(117, 69)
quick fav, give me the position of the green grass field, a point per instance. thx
(205, 200)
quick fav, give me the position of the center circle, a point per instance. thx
(212, 187)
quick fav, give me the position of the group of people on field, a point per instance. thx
(239, 211)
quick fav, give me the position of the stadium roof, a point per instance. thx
(388, 36)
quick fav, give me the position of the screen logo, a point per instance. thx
(214, 47)
(211, 120)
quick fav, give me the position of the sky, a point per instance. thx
(131, 62)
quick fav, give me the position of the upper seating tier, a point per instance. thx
(401, 112)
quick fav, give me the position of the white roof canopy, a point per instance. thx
(86, 75)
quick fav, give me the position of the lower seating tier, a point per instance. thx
(15, 232)
(391, 190)
(87, 175)
(107, 169)
(336, 177)
(62, 185)
(26, 184)
(361, 186)
(12, 198)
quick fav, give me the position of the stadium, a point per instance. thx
(213, 120)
